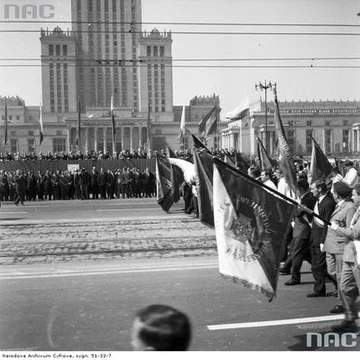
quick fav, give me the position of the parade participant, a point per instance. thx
(266, 179)
(20, 187)
(160, 328)
(301, 233)
(351, 176)
(324, 207)
(334, 242)
(350, 274)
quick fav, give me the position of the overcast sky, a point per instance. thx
(231, 84)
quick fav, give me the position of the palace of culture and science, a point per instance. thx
(107, 55)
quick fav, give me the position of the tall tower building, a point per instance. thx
(107, 33)
(58, 60)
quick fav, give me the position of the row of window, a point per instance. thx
(155, 51)
(57, 49)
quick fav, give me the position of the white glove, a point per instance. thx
(322, 247)
(292, 224)
(334, 226)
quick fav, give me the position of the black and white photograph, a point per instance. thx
(179, 175)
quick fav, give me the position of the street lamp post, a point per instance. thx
(265, 86)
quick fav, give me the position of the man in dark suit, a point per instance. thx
(301, 233)
(324, 207)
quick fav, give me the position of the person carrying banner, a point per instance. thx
(324, 207)
(301, 233)
(350, 274)
(334, 242)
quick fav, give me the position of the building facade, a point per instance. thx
(334, 125)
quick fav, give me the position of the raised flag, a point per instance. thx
(171, 153)
(176, 178)
(208, 125)
(241, 164)
(187, 167)
(203, 162)
(240, 112)
(6, 124)
(182, 130)
(197, 142)
(265, 162)
(250, 226)
(78, 138)
(285, 155)
(148, 127)
(228, 160)
(41, 126)
(163, 183)
(113, 124)
(320, 167)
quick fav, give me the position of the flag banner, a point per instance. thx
(198, 143)
(171, 153)
(148, 125)
(265, 162)
(286, 157)
(250, 225)
(6, 124)
(41, 126)
(228, 160)
(320, 167)
(78, 138)
(187, 167)
(113, 119)
(177, 178)
(203, 162)
(163, 183)
(208, 125)
(339, 167)
(182, 130)
(241, 164)
(240, 112)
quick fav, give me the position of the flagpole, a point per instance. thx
(113, 125)
(5, 126)
(79, 126)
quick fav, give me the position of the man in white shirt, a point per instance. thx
(351, 176)
(266, 179)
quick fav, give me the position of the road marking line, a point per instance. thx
(276, 322)
(60, 275)
(14, 212)
(37, 206)
(120, 209)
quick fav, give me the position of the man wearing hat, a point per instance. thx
(334, 242)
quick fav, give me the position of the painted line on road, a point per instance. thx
(276, 322)
(105, 272)
(37, 206)
(119, 209)
(15, 212)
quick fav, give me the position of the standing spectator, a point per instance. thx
(335, 242)
(84, 184)
(94, 180)
(40, 188)
(102, 183)
(147, 182)
(350, 274)
(324, 207)
(77, 187)
(20, 186)
(111, 184)
(48, 185)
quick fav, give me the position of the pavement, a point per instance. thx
(62, 240)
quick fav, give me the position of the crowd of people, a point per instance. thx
(79, 184)
(324, 231)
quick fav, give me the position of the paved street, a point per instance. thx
(64, 287)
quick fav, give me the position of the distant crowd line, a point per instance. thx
(80, 184)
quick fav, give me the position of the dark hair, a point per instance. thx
(255, 172)
(303, 185)
(321, 184)
(268, 173)
(164, 328)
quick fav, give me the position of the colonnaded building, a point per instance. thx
(105, 55)
(335, 126)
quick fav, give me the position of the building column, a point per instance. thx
(131, 138)
(86, 139)
(96, 139)
(140, 134)
(105, 139)
(122, 137)
(68, 139)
